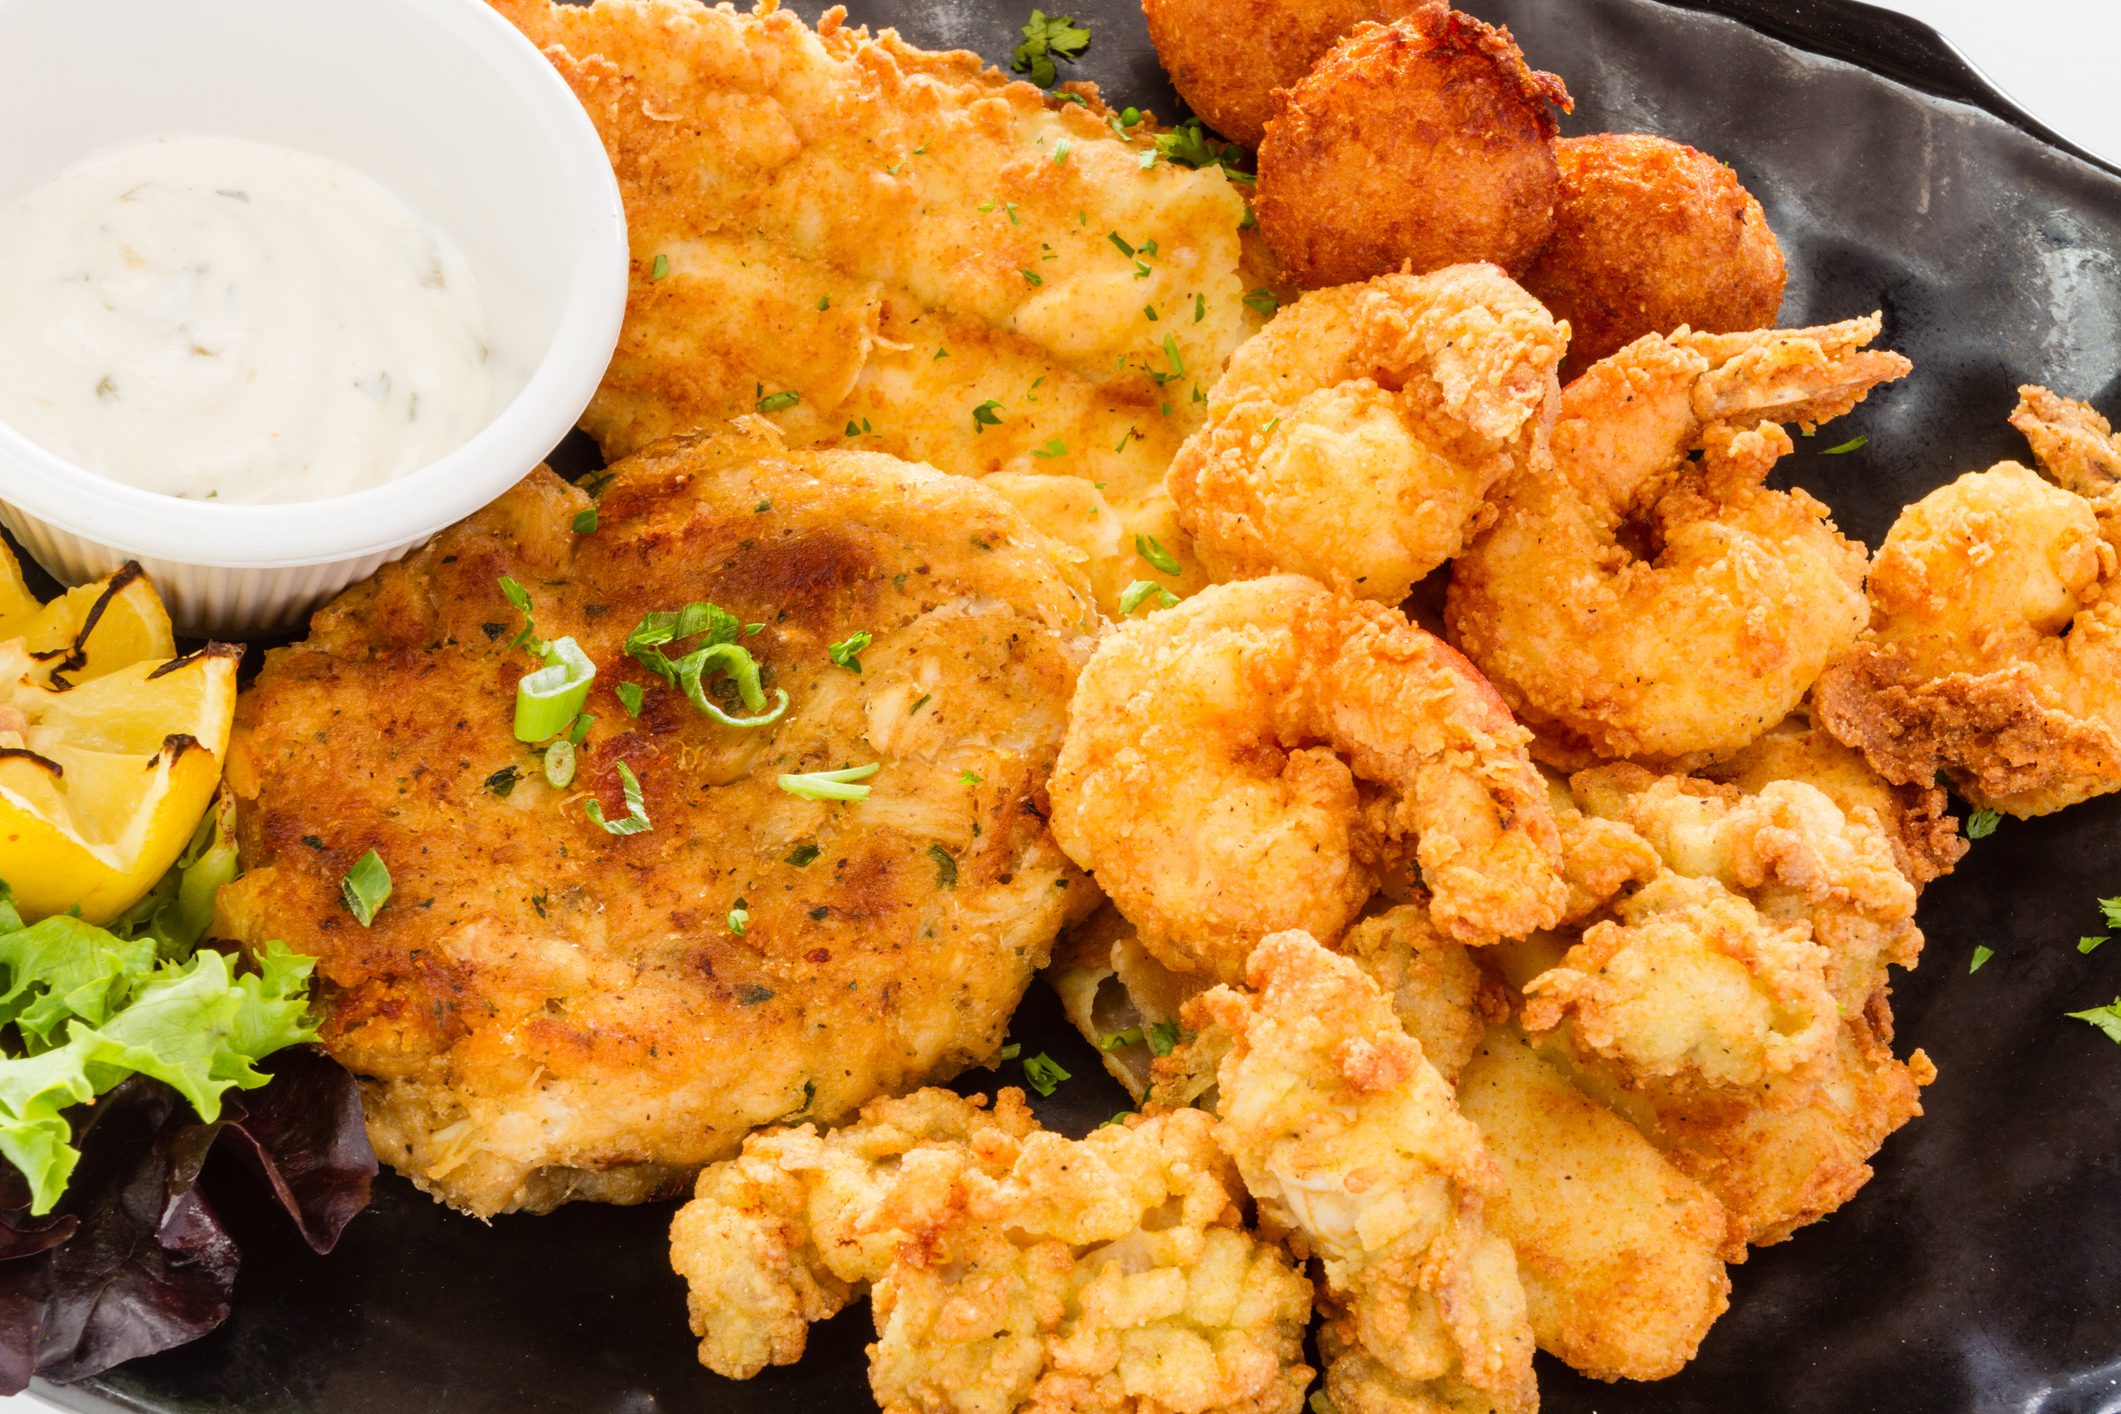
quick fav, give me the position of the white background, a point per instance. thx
(2056, 57)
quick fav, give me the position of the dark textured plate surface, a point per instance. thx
(1975, 1273)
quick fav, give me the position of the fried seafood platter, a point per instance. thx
(1253, 765)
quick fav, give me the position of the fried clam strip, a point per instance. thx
(1994, 645)
(1356, 439)
(1733, 1007)
(1010, 1268)
(1638, 604)
(898, 238)
(1348, 1140)
(546, 1010)
(1223, 740)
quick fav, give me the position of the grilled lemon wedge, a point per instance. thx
(110, 748)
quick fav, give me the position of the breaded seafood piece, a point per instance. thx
(867, 242)
(1688, 994)
(1210, 776)
(1994, 645)
(1635, 603)
(1356, 438)
(1651, 236)
(1436, 990)
(1109, 1275)
(1621, 1254)
(1226, 57)
(1348, 1140)
(546, 1009)
(789, 1232)
(1122, 1000)
(1918, 827)
(1412, 145)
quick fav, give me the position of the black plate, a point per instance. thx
(1975, 1273)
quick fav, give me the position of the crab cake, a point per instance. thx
(555, 1004)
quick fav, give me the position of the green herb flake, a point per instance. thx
(1124, 248)
(824, 302)
(629, 695)
(1053, 448)
(1010, 1051)
(987, 414)
(1149, 549)
(1981, 955)
(739, 918)
(847, 653)
(1264, 301)
(1853, 444)
(1981, 824)
(945, 866)
(1164, 1037)
(560, 765)
(2090, 942)
(970, 778)
(1031, 277)
(779, 402)
(1060, 152)
(366, 888)
(2110, 909)
(804, 855)
(659, 267)
(1121, 1118)
(1200, 308)
(585, 521)
(919, 702)
(636, 821)
(1045, 1074)
(503, 782)
(2107, 1018)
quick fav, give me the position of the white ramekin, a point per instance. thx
(443, 102)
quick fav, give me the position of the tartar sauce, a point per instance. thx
(216, 318)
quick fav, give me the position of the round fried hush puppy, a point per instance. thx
(1995, 635)
(1413, 145)
(1210, 776)
(1226, 57)
(1651, 235)
(1356, 439)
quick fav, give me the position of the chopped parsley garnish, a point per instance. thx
(987, 414)
(854, 429)
(1149, 313)
(1149, 549)
(1263, 300)
(803, 855)
(1054, 448)
(1853, 444)
(847, 653)
(1125, 437)
(629, 695)
(1045, 1074)
(585, 521)
(1121, 1118)
(1189, 144)
(1031, 277)
(2107, 1018)
(1164, 1037)
(1132, 597)
(1060, 152)
(779, 402)
(1981, 955)
(659, 268)
(824, 302)
(503, 782)
(970, 778)
(366, 888)
(1047, 38)
(919, 702)
(636, 820)
(718, 654)
(1200, 308)
(830, 785)
(739, 916)
(945, 866)
(1981, 824)
(1178, 365)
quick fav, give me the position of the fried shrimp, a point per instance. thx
(1651, 236)
(1226, 57)
(1010, 1268)
(1995, 636)
(1423, 143)
(1257, 757)
(1634, 603)
(1349, 1141)
(1356, 439)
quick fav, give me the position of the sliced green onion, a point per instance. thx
(721, 653)
(551, 697)
(778, 402)
(1011, 1051)
(847, 653)
(1853, 444)
(659, 268)
(1981, 955)
(739, 916)
(1148, 547)
(945, 866)
(559, 765)
(830, 785)
(585, 521)
(366, 888)
(636, 820)
(1132, 596)
(1044, 1073)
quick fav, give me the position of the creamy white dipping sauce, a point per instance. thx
(221, 319)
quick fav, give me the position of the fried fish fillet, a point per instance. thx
(545, 1010)
(900, 238)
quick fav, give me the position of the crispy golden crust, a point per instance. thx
(1649, 236)
(1416, 145)
(1357, 437)
(1226, 57)
(848, 218)
(1210, 775)
(541, 1001)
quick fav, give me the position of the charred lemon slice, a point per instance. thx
(96, 629)
(102, 783)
